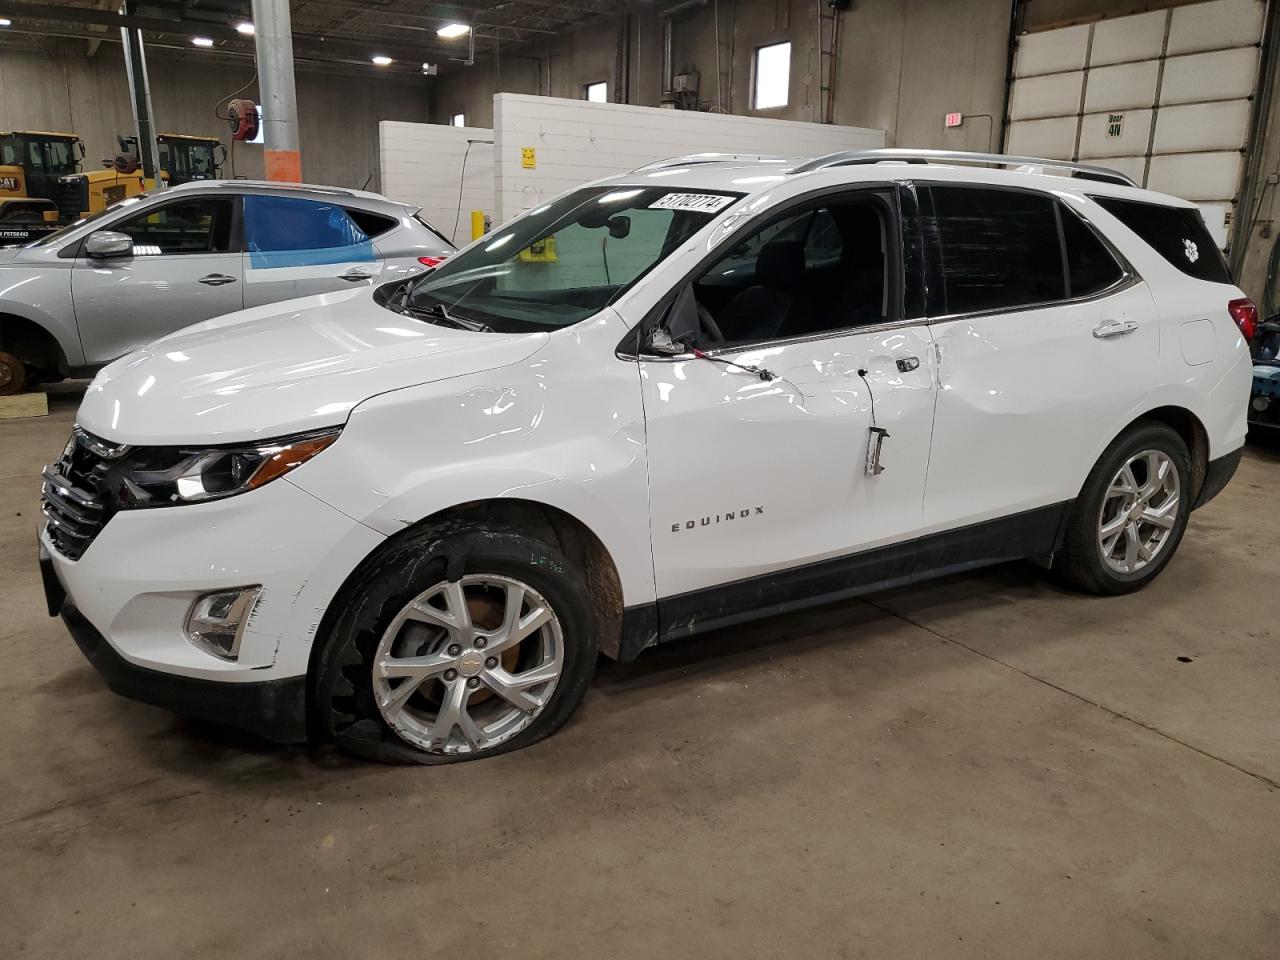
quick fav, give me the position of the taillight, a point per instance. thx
(436, 261)
(1245, 313)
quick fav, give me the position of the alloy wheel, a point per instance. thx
(1139, 511)
(467, 665)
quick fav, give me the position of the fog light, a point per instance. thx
(216, 621)
(1260, 403)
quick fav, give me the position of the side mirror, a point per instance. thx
(108, 243)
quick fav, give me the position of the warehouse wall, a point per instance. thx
(900, 66)
(339, 113)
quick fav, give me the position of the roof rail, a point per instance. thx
(713, 158)
(849, 157)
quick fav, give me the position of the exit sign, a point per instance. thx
(953, 119)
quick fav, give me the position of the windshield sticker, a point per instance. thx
(692, 202)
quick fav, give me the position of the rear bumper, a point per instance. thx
(1217, 475)
(275, 709)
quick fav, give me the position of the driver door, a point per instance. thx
(184, 267)
(760, 493)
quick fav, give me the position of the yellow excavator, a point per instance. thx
(183, 158)
(42, 185)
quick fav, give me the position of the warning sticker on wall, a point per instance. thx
(693, 202)
(528, 158)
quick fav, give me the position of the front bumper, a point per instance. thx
(275, 709)
(125, 600)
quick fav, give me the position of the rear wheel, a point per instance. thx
(1129, 518)
(13, 374)
(462, 642)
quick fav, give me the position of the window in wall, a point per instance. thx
(1091, 268)
(596, 92)
(773, 74)
(198, 225)
(998, 249)
(458, 120)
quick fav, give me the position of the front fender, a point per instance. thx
(564, 428)
(43, 297)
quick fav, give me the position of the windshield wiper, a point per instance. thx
(437, 312)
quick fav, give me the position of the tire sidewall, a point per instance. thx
(398, 574)
(1150, 437)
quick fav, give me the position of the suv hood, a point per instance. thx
(281, 369)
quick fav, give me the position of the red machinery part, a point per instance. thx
(242, 116)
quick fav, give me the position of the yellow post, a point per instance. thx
(477, 224)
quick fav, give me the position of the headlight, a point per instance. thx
(163, 476)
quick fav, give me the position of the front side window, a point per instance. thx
(996, 249)
(772, 76)
(568, 259)
(823, 268)
(197, 225)
(1176, 233)
(291, 231)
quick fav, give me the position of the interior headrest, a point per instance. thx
(780, 264)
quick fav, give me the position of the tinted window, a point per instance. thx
(1176, 233)
(198, 225)
(816, 270)
(1091, 268)
(288, 231)
(997, 249)
(373, 224)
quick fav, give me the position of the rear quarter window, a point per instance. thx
(373, 224)
(1176, 233)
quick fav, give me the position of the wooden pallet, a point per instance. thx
(24, 405)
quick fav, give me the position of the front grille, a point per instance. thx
(73, 197)
(75, 498)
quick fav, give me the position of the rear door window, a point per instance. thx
(290, 231)
(996, 249)
(1176, 233)
(373, 224)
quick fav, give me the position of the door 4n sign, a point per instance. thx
(1115, 124)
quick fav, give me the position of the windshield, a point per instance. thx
(39, 154)
(567, 260)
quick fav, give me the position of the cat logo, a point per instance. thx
(8, 183)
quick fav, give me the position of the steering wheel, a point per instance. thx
(708, 327)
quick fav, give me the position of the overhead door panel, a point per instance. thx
(1163, 96)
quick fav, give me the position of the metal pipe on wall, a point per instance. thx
(273, 39)
(135, 62)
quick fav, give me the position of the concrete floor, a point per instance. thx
(983, 766)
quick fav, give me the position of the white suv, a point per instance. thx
(707, 391)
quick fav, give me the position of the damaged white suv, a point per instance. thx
(714, 389)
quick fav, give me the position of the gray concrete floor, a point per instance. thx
(983, 766)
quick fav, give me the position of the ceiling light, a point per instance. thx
(245, 27)
(382, 61)
(451, 31)
(5, 22)
(202, 41)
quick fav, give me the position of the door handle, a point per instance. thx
(1114, 328)
(354, 276)
(216, 279)
(907, 364)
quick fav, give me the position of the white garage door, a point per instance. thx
(1163, 96)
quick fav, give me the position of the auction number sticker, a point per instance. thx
(693, 202)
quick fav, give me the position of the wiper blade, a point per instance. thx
(438, 312)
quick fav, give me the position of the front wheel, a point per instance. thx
(460, 642)
(1129, 518)
(13, 374)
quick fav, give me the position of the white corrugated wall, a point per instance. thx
(1164, 96)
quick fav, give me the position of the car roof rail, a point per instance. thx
(851, 157)
(714, 158)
